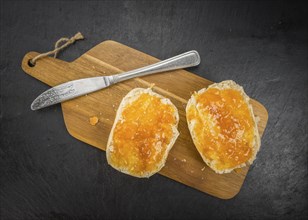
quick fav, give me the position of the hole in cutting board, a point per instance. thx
(30, 63)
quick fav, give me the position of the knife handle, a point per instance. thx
(184, 60)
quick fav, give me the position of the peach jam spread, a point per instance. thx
(142, 134)
(223, 127)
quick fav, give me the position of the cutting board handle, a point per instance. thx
(49, 70)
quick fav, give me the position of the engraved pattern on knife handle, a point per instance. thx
(54, 95)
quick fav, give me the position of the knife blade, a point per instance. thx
(76, 88)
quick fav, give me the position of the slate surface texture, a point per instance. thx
(47, 174)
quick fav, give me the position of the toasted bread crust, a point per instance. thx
(228, 84)
(129, 98)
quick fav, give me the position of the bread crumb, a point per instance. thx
(257, 119)
(93, 120)
(174, 158)
(184, 160)
(203, 168)
(238, 170)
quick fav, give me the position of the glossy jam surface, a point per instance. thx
(224, 127)
(143, 134)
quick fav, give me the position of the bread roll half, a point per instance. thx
(144, 131)
(223, 126)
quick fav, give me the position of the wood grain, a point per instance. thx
(184, 164)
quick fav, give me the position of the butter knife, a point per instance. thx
(75, 88)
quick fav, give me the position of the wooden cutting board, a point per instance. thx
(184, 163)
